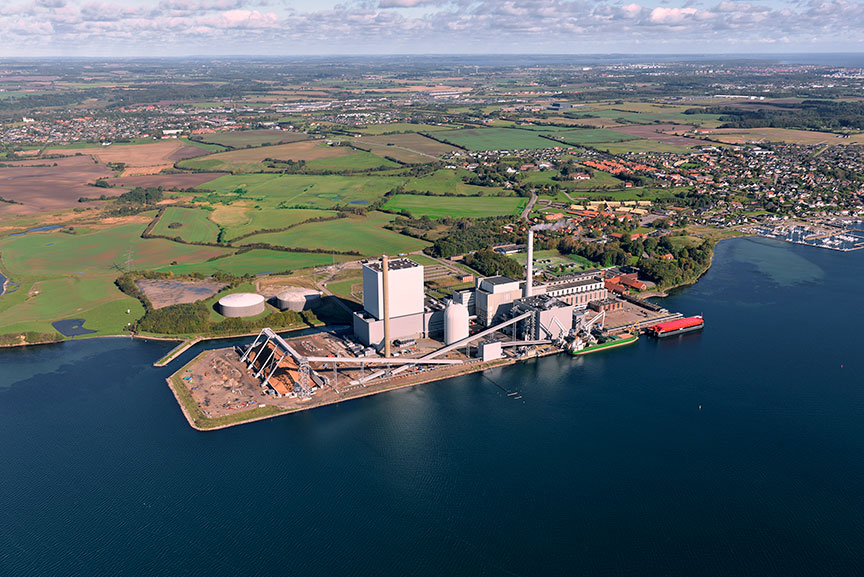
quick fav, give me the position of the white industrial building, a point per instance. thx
(551, 319)
(408, 316)
(577, 289)
(241, 305)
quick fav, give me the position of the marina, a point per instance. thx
(821, 236)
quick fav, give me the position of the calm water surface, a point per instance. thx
(606, 466)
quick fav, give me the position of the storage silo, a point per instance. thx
(241, 305)
(455, 323)
(298, 299)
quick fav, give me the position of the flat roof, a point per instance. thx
(395, 264)
(498, 280)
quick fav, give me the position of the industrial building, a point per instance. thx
(241, 305)
(407, 316)
(494, 296)
(577, 289)
(551, 318)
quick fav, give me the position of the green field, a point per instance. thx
(447, 180)
(244, 138)
(456, 207)
(592, 136)
(496, 139)
(194, 225)
(295, 190)
(401, 127)
(258, 262)
(358, 160)
(239, 220)
(363, 234)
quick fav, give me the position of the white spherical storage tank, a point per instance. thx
(241, 305)
(298, 299)
(455, 323)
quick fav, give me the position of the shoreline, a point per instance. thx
(360, 393)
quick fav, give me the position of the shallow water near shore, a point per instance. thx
(737, 450)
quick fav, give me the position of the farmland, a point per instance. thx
(256, 262)
(450, 181)
(408, 148)
(364, 234)
(300, 191)
(456, 207)
(190, 224)
(787, 135)
(237, 220)
(244, 138)
(50, 188)
(253, 159)
(149, 158)
(166, 181)
(496, 139)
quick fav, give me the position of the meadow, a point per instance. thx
(365, 234)
(253, 159)
(450, 181)
(409, 148)
(300, 191)
(237, 219)
(244, 138)
(456, 207)
(190, 224)
(256, 262)
(496, 139)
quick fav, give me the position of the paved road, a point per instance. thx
(529, 207)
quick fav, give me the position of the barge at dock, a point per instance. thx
(676, 327)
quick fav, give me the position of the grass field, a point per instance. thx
(409, 148)
(252, 159)
(591, 136)
(787, 135)
(194, 225)
(303, 191)
(258, 262)
(496, 139)
(239, 220)
(448, 180)
(456, 207)
(402, 127)
(241, 139)
(66, 276)
(363, 234)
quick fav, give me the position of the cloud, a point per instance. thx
(172, 27)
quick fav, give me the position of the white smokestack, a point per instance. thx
(529, 266)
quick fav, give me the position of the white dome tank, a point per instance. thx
(455, 323)
(298, 299)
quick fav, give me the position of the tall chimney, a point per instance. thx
(529, 266)
(385, 282)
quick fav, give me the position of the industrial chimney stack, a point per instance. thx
(529, 266)
(385, 281)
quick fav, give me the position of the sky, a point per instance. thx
(301, 27)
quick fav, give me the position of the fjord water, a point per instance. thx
(605, 466)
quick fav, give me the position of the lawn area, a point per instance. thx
(191, 224)
(299, 191)
(361, 233)
(257, 262)
(684, 241)
(496, 139)
(457, 207)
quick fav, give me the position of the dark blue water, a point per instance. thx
(39, 229)
(606, 466)
(72, 328)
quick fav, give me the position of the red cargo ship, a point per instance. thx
(676, 327)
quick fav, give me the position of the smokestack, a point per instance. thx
(385, 281)
(529, 266)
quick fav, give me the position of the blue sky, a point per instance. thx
(284, 27)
